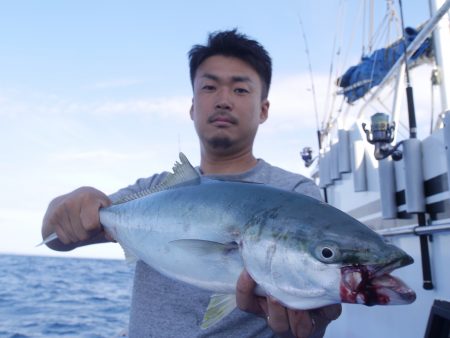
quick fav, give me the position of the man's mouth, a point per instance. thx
(221, 119)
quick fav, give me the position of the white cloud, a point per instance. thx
(117, 83)
(97, 155)
(290, 97)
(50, 105)
(164, 107)
(292, 102)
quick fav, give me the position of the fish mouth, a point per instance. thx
(374, 285)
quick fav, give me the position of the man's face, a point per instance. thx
(227, 107)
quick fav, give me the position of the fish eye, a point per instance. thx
(327, 252)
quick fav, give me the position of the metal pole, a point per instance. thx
(414, 230)
(319, 138)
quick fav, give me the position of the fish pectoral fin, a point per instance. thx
(219, 306)
(204, 247)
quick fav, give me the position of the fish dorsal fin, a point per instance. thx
(183, 172)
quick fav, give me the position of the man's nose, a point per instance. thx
(223, 100)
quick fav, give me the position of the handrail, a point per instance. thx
(414, 230)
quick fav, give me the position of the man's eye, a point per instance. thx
(208, 87)
(241, 90)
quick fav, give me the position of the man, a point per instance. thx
(230, 79)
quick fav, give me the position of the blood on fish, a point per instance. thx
(365, 292)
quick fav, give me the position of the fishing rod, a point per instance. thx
(421, 217)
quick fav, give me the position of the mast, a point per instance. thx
(414, 45)
(441, 38)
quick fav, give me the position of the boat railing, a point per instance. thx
(415, 230)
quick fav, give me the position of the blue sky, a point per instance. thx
(97, 92)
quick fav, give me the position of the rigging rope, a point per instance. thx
(316, 113)
(328, 92)
(328, 117)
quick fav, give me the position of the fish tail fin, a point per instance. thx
(49, 238)
(220, 305)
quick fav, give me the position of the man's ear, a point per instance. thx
(264, 114)
(191, 111)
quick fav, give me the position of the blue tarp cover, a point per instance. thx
(359, 79)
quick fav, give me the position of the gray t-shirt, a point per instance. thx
(162, 307)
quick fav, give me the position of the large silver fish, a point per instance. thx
(301, 251)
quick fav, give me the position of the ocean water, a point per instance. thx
(63, 297)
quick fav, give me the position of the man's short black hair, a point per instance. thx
(232, 43)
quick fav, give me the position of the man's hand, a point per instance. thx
(75, 218)
(283, 321)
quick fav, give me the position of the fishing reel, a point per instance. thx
(307, 157)
(381, 135)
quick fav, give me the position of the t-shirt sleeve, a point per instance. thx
(308, 187)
